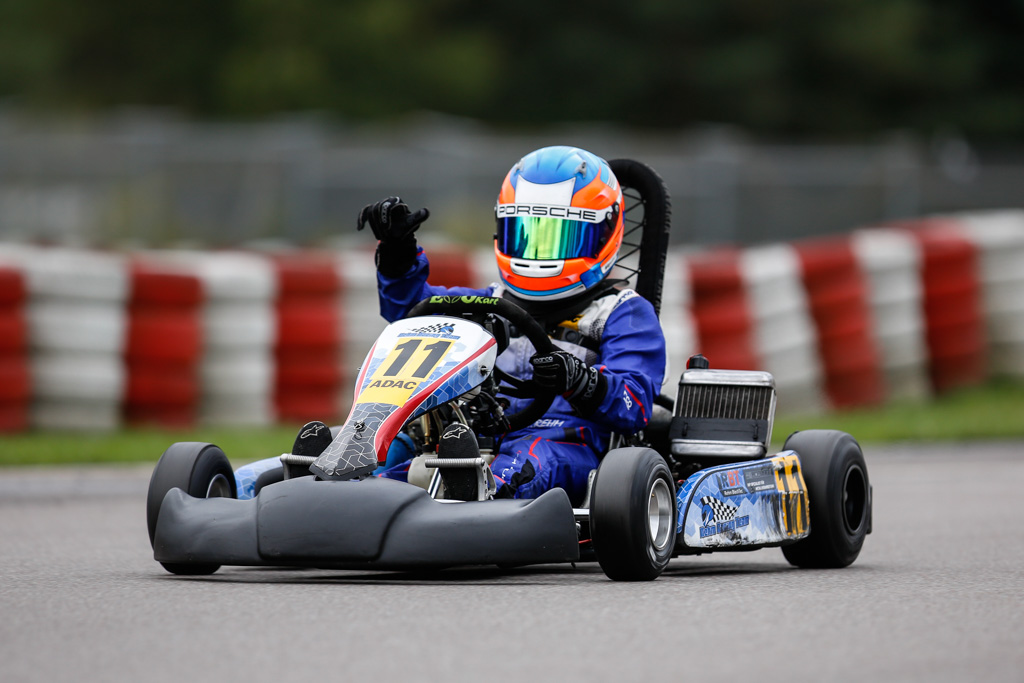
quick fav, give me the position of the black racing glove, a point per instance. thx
(394, 226)
(563, 373)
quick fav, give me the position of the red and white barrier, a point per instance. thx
(999, 239)
(307, 350)
(890, 261)
(837, 299)
(15, 382)
(238, 329)
(358, 315)
(164, 345)
(232, 338)
(721, 310)
(954, 320)
(452, 267)
(76, 333)
(677, 320)
(784, 333)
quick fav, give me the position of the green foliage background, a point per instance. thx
(813, 68)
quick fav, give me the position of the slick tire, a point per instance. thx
(633, 514)
(199, 469)
(839, 498)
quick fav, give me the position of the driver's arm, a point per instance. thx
(632, 364)
(402, 267)
(619, 390)
(398, 294)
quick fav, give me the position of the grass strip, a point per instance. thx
(140, 444)
(992, 411)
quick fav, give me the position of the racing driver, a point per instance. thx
(559, 229)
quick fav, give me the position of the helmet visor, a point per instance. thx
(549, 238)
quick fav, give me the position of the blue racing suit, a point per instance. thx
(618, 333)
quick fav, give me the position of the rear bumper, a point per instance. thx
(370, 524)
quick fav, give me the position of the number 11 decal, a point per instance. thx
(407, 348)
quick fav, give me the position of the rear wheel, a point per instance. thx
(839, 498)
(199, 469)
(633, 514)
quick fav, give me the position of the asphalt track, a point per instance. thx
(937, 595)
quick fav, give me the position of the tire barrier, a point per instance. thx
(785, 337)
(999, 239)
(954, 322)
(76, 315)
(164, 345)
(359, 316)
(677, 319)
(307, 361)
(721, 311)
(239, 327)
(838, 301)
(15, 382)
(90, 340)
(891, 262)
(451, 266)
(483, 268)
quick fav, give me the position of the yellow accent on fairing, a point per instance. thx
(793, 490)
(408, 365)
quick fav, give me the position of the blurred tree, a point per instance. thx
(362, 58)
(791, 67)
(106, 52)
(28, 56)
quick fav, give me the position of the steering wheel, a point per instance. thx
(480, 306)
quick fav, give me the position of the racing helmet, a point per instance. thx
(559, 217)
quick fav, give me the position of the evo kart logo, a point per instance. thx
(481, 300)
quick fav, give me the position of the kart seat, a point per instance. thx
(646, 213)
(647, 218)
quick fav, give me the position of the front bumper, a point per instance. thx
(370, 524)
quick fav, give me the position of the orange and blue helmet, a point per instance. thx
(559, 218)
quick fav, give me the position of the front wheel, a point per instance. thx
(199, 469)
(633, 514)
(839, 498)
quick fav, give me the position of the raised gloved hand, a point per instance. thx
(563, 373)
(391, 220)
(395, 227)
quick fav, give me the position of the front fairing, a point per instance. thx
(416, 365)
(755, 503)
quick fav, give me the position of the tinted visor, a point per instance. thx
(545, 238)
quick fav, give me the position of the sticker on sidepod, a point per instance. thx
(750, 479)
(440, 355)
(755, 503)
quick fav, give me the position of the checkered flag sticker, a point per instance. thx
(439, 328)
(714, 510)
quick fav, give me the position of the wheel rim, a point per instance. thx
(854, 499)
(219, 487)
(659, 513)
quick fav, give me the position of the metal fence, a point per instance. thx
(146, 179)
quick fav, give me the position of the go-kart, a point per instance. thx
(699, 479)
